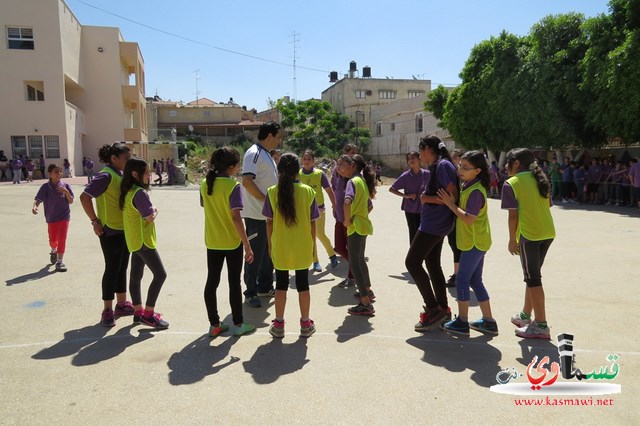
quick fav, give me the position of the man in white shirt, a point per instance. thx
(259, 172)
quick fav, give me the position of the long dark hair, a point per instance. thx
(221, 160)
(106, 151)
(528, 162)
(134, 164)
(478, 160)
(368, 174)
(288, 169)
(435, 145)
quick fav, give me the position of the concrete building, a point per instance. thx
(398, 127)
(67, 88)
(358, 97)
(212, 122)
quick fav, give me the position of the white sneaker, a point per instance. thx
(518, 321)
(533, 331)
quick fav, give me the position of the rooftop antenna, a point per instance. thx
(295, 56)
(197, 76)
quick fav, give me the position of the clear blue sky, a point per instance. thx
(399, 39)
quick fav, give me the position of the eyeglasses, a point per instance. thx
(466, 169)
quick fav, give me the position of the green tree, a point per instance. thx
(314, 124)
(436, 102)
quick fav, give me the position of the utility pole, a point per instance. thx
(197, 76)
(295, 56)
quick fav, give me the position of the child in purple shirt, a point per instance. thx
(56, 197)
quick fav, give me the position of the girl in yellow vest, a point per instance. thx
(360, 189)
(317, 180)
(531, 231)
(473, 238)
(106, 220)
(225, 237)
(140, 233)
(291, 210)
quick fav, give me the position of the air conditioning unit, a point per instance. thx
(369, 93)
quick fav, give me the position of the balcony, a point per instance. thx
(131, 95)
(135, 135)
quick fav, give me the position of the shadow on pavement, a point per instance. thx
(45, 271)
(541, 348)
(457, 354)
(275, 359)
(405, 276)
(353, 326)
(109, 346)
(200, 359)
(339, 296)
(73, 341)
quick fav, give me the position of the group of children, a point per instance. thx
(447, 206)
(434, 202)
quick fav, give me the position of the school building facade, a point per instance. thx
(67, 88)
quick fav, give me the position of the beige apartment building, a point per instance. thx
(398, 127)
(359, 97)
(67, 88)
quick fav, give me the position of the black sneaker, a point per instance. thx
(61, 267)
(372, 296)
(155, 321)
(361, 309)
(53, 258)
(451, 282)
(432, 319)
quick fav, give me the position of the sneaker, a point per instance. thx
(533, 331)
(155, 321)
(430, 319)
(451, 282)
(61, 267)
(277, 329)
(136, 317)
(216, 330)
(372, 296)
(123, 309)
(361, 309)
(447, 317)
(317, 267)
(484, 326)
(253, 301)
(346, 283)
(107, 319)
(334, 261)
(270, 293)
(307, 328)
(457, 326)
(243, 329)
(518, 321)
(53, 258)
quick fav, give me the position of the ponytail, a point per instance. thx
(528, 162)
(288, 169)
(368, 174)
(221, 160)
(436, 146)
(106, 151)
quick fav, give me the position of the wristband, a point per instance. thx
(94, 221)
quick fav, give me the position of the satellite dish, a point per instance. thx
(190, 128)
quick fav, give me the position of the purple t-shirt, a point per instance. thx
(16, 165)
(235, 199)
(89, 165)
(437, 219)
(476, 200)
(339, 184)
(267, 211)
(412, 184)
(509, 200)
(142, 203)
(635, 172)
(31, 167)
(323, 180)
(56, 206)
(96, 188)
(594, 173)
(42, 162)
(350, 192)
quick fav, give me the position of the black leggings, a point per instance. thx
(413, 222)
(139, 259)
(302, 280)
(357, 246)
(215, 260)
(532, 254)
(116, 262)
(451, 238)
(428, 247)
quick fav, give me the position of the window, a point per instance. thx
(361, 94)
(173, 113)
(418, 123)
(34, 90)
(35, 146)
(52, 146)
(20, 38)
(207, 113)
(18, 145)
(386, 94)
(393, 127)
(414, 93)
(360, 118)
(379, 128)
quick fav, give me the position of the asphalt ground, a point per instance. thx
(58, 365)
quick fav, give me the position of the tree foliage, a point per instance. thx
(570, 82)
(314, 124)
